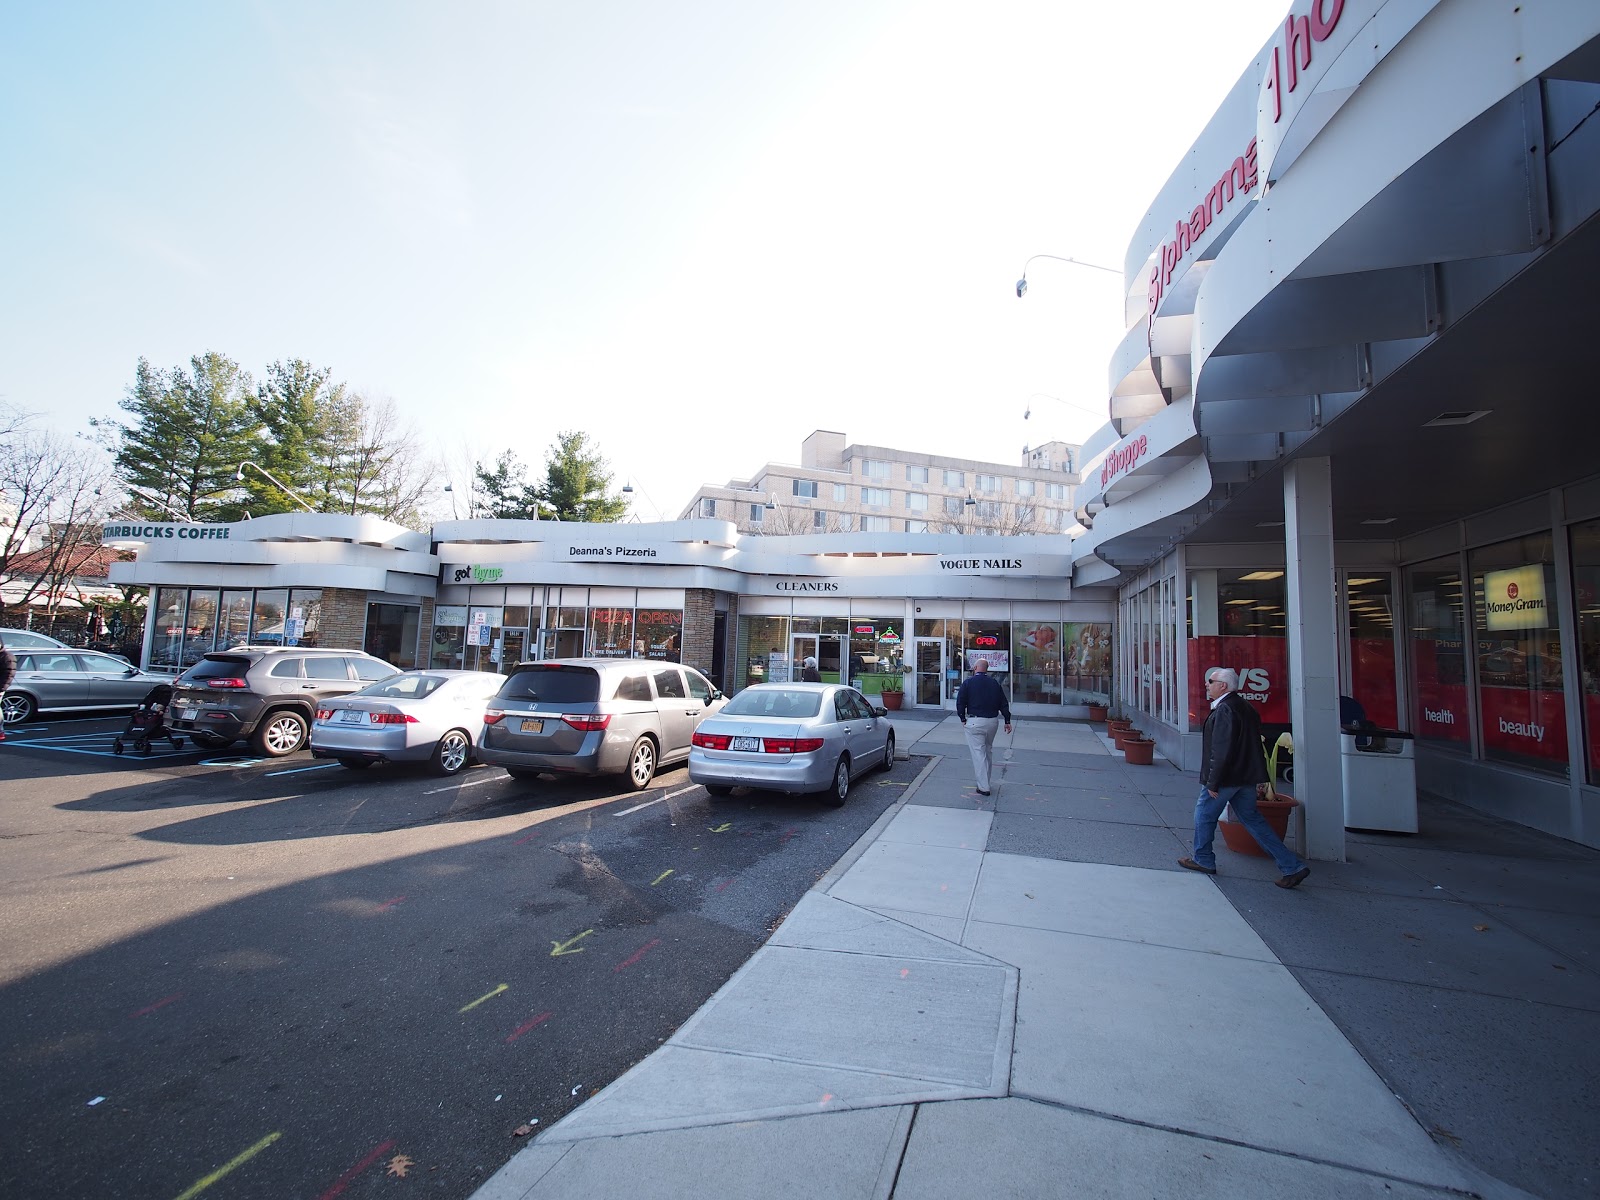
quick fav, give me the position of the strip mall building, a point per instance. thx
(1350, 452)
(1352, 444)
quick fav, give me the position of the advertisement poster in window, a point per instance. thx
(1263, 667)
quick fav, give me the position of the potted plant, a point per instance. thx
(1097, 712)
(892, 698)
(1138, 751)
(1274, 805)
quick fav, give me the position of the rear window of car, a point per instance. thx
(326, 668)
(549, 684)
(669, 685)
(285, 668)
(634, 687)
(409, 687)
(217, 668)
(773, 702)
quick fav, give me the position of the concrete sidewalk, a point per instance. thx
(1023, 996)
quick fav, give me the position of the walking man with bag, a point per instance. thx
(1232, 766)
(980, 704)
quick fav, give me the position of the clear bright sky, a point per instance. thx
(697, 230)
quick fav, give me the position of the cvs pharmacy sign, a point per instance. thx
(1263, 667)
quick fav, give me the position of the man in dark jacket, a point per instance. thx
(980, 703)
(1232, 765)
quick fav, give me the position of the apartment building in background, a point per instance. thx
(842, 488)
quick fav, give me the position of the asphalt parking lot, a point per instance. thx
(289, 978)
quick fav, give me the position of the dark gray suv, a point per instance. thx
(268, 694)
(595, 716)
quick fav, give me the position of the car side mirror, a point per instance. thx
(131, 671)
(879, 711)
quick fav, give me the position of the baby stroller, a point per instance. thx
(148, 722)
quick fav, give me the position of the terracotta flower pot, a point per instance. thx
(1097, 712)
(1139, 751)
(1237, 838)
(892, 700)
(1118, 725)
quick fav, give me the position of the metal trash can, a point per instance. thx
(1380, 780)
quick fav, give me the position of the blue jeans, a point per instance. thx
(1208, 808)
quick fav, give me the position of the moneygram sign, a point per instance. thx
(1515, 599)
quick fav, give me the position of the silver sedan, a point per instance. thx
(792, 737)
(51, 680)
(416, 716)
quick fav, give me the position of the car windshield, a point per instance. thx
(405, 687)
(773, 702)
(550, 684)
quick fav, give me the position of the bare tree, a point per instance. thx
(370, 461)
(50, 503)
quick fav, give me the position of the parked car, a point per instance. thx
(27, 639)
(596, 716)
(416, 716)
(268, 694)
(792, 737)
(60, 680)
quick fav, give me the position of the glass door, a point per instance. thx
(801, 647)
(929, 673)
(511, 650)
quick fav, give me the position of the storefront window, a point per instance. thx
(766, 659)
(392, 633)
(1036, 674)
(1237, 616)
(266, 622)
(1086, 659)
(611, 633)
(233, 625)
(1520, 693)
(658, 633)
(166, 647)
(876, 654)
(200, 627)
(1369, 605)
(304, 626)
(991, 640)
(1437, 631)
(449, 637)
(1586, 596)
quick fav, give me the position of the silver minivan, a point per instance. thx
(595, 716)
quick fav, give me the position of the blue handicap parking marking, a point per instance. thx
(231, 761)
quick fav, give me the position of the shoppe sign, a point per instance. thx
(1515, 599)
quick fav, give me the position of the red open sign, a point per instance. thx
(986, 641)
(863, 629)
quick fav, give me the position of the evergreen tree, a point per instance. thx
(504, 491)
(185, 435)
(577, 483)
(294, 402)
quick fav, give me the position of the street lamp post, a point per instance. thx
(150, 497)
(276, 482)
(1022, 284)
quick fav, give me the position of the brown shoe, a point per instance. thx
(1191, 865)
(1295, 880)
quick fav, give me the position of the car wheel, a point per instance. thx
(522, 774)
(888, 755)
(17, 707)
(355, 764)
(839, 790)
(642, 764)
(452, 754)
(717, 789)
(280, 733)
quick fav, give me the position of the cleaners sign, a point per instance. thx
(1515, 599)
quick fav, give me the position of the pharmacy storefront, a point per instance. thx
(897, 613)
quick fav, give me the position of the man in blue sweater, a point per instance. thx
(980, 703)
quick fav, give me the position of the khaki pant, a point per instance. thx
(980, 740)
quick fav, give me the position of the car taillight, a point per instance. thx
(790, 745)
(382, 718)
(324, 714)
(587, 722)
(492, 716)
(711, 741)
(225, 681)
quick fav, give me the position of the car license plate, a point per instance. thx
(745, 743)
(532, 726)
(350, 716)
(186, 713)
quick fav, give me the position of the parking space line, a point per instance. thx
(302, 770)
(658, 800)
(457, 787)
